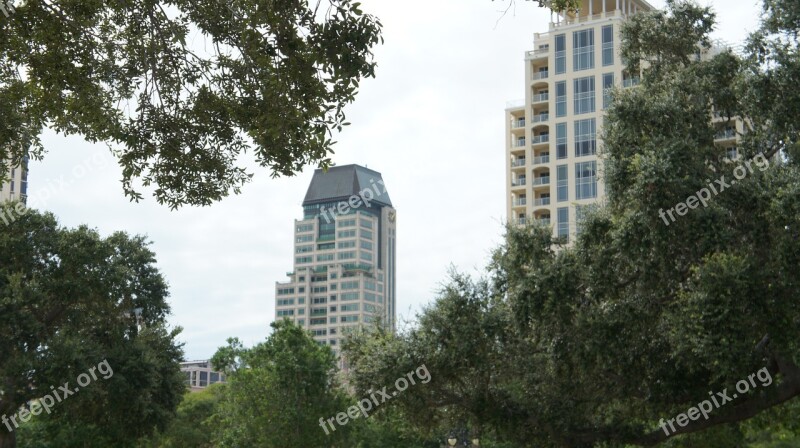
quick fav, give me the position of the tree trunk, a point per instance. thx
(7, 439)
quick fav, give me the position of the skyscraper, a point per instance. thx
(344, 256)
(569, 74)
(15, 187)
(554, 132)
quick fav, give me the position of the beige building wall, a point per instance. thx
(581, 47)
(200, 375)
(14, 186)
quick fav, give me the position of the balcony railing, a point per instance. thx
(544, 180)
(517, 162)
(541, 97)
(541, 118)
(541, 160)
(519, 143)
(541, 201)
(516, 124)
(726, 134)
(521, 221)
(520, 202)
(544, 138)
(519, 182)
(630, 82)
(541, 75)
(543, 221)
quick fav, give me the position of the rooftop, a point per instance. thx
(340, 183)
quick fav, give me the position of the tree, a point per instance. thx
(275, 84)
(602, 342)
(193, 426)
(279, 392)
(68, 300)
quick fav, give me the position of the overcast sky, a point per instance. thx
(432, 122)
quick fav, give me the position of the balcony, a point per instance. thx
(517, 163)
(543, 221)
(543, 138)
(520, 143)
(544, 180)
(630, 82)
(540, 75)
(521, 221)
(519, 182)
(541, 202)
(540, 98)
(543, 50)
(541, 160)
(519, 123)
(522, 202)
(541, 118)
(725, 135)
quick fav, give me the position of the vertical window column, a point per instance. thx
(561, 99)
(561, 141)
(562, 183)
(561, 54)
(583, 50)
(608, 84)
(608, 45)
(563, 223)
(584, 95)
(586, 180)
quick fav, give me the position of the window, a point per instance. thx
(586, 180)
(320, 289)
(585, 137)
(333, 287)
(561, 54)
(326, 246)
(366, 234)
(305, 238)
(346, 244)
(318, 300)
(347, 255)
(302, 260)
(301, 289)
(285, 291)
(301, 311)
(283, 313)
(608, 85)
(366, 223)
(349, 319)
(332, 298)
(347, 233)
(561, 140)
(561, 99)
(562, 186)
(350, 285)
(352, 307)
(366, 245)
(325, 257)
(301, 322)
(284, 302)
(366, 256)
(583, 50)
(305, 228)
(563, 223)
(370, 286)
(319, 311)
(347, 296)
(608, 45)
(584, 95)
(370, 308)
(301, 300)
(347, 223)
(370, 297)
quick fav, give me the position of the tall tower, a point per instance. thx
(554, 131)
(345, 256)
(15, 185)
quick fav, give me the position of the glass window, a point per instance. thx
(608, 85)
(584, 95)
(585, 137)
(586, 180)
(561, 140)
(563, 223)
(562, 186)
(583, 50)
(608, 45)
(366, 234)
(561, 54)
(561, 99)
(305, 238)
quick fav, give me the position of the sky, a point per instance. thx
(431, 121)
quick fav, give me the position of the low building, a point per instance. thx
(200, 375)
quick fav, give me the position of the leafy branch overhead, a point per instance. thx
(268, 78)
(558, 5)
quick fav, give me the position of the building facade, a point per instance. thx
(345, 251)
(15, 186)
(200, 375)
(552, 143)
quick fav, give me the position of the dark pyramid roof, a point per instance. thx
(342, 182)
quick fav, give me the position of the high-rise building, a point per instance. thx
(344, 256)
(15, 187)
(551, 136)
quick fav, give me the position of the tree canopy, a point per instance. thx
(272, 80)
(68, 302)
